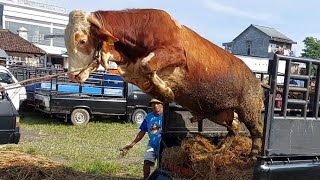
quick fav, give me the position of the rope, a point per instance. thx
(97, 58)
(41, 79)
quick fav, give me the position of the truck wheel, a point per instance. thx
(138, 116)
(80, 117)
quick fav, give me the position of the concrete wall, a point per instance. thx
(259, 43)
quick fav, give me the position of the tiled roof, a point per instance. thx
(11, 42)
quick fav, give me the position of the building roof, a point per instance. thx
(274, 34)
(11, 42)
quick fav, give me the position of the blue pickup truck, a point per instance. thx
(102, 94)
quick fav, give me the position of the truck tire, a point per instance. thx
(80, 117)
(138, 116)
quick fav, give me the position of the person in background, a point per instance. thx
(296, 70)
(152, 124)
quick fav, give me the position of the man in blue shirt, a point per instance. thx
(152, 124)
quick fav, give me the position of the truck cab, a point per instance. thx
(9, 121)
(17, 94)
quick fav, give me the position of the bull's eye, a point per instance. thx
(82, 41)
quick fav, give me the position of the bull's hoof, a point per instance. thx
(254, 155)
(193, 120)
(256, 146)
(255, 151)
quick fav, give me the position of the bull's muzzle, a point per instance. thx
(78, 76)
(82, 75)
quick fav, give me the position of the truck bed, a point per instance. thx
(65, 103)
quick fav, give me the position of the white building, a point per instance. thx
(259, 64)
(40, 23)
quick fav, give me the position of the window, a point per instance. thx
(6, 78)
(59, 40)
(249, 45)
(35, 33)
(135, 88)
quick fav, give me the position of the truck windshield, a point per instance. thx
(136, 88)
(5, 78)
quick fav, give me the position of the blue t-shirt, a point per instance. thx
(153, 125)
(296, 82)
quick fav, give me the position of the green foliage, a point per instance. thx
(312, 48)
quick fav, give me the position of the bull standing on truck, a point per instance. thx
(152, 124)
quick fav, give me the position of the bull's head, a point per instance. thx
(84, 38)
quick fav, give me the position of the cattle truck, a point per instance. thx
(102, 94)
(291, 137)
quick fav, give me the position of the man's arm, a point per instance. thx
(138, 138)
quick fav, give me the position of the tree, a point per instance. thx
(312, 48)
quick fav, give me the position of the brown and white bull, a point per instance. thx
(168, 61)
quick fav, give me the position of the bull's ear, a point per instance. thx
(105, 34)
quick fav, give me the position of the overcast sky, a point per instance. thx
(222, 20)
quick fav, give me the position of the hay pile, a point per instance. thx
(16, 165)
(196, 159)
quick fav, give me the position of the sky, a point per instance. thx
(221, 21)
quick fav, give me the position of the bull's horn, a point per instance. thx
(93, 20)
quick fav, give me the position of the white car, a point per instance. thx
(17, 95)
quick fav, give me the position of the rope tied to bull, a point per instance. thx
(37, 80)
(26, 82)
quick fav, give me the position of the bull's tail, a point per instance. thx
(267, 86)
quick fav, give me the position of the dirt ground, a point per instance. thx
(16, 165)
(20, 166)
